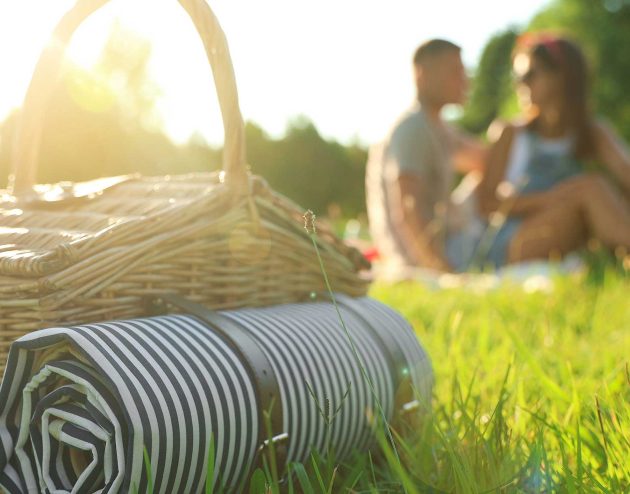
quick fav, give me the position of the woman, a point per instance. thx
(562, 178)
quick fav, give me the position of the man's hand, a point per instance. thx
(434, 261)
(470, 154)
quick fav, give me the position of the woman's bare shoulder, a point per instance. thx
(603, 130)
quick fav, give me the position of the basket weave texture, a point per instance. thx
(84, 252)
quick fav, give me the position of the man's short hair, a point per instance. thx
(431, 48)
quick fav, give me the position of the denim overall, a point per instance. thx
(544, 170)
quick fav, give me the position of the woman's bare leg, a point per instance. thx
(587, 207)
(607, 213)
(552, 233)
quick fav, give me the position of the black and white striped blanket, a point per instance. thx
(81, 406)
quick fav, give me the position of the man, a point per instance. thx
(414, 218)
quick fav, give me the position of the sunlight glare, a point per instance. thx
(344, 65)
(89, 41)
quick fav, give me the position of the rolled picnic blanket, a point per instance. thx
(81, 407)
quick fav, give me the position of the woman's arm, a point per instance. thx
(613, 154)
(496, 165)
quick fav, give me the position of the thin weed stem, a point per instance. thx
(311, 230)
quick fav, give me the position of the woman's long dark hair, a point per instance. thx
(565, 57)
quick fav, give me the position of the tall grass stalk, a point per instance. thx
(310, 227)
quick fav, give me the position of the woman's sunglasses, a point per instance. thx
(528, 76)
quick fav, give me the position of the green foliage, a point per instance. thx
(532, 389)
(532, 395)
(103, 122)
(603, 28)
(309, 169)
(147, 465)
(492, 84)
(210, 470)
(258, 482)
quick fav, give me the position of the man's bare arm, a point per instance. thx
(419, 235)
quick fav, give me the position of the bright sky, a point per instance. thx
(344, 64)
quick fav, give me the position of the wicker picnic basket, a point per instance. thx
(75, 253)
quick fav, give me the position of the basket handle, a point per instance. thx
(28, 138)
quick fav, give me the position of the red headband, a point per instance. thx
(549, 41)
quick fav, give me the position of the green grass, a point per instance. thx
(532, 390)
(532, 395)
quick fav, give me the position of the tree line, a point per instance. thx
(103, 122)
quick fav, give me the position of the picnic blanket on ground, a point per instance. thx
(79, 405)
(532, 276)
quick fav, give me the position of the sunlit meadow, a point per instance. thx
(532, 394)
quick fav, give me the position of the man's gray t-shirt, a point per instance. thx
(418, 147)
